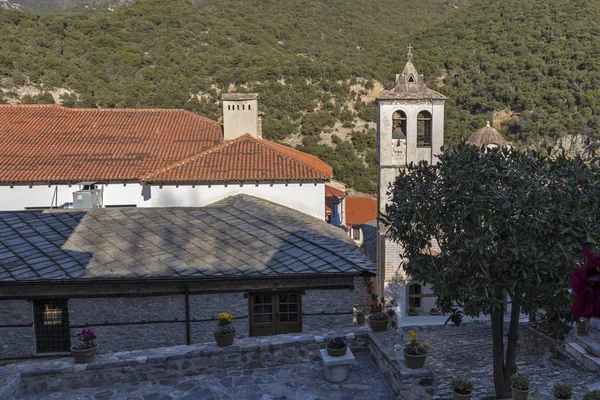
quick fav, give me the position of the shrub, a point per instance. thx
(225, 327)
(562, 391)
(462, 386)
(337, 343)
(520, 382)
(593, 395)
(415, 347)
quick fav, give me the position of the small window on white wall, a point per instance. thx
(356, 233)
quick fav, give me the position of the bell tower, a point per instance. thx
(410, 128)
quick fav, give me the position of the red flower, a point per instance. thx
(585, 284)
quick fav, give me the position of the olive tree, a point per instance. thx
(510, 227)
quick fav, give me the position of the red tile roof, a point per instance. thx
(331, 197)
(51, 143)
(360, 210)
(245, 159)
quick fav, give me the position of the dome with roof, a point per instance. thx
(488, 137)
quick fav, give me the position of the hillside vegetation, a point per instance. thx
(318, 64)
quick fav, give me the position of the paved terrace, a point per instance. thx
(289, 382)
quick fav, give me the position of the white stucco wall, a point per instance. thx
(308, 198)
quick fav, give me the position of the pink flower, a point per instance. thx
(585, 284)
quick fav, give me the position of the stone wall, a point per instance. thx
(16, 340)
(133, 323)
(360, 294)
(533, 341)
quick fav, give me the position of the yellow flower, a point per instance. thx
(413, 335)
(427, 345)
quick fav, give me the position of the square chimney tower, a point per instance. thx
(240, 115)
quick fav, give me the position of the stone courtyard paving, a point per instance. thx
(288, 382)
(466, 351)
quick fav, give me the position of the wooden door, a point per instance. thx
(275, 313)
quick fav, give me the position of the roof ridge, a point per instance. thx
(263, 142)
(271, 144)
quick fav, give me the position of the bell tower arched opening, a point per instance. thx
(399, 125)
(424, 129)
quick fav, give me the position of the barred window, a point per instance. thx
(51, 319)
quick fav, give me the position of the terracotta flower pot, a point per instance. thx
(336, 352)
(458, 396)
(224, 340)
(415, 362)
(378, 325)
(581, 328)
(520, 394)
(84, 356)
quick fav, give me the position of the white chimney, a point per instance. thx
(240, 115)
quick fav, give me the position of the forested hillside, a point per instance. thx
(318, 65)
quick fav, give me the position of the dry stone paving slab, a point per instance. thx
(303, 381)
(466, 351)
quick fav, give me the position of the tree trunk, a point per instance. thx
(498, 353)
(513, 342)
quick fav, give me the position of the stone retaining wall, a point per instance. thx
(533, 341)
(40, 376)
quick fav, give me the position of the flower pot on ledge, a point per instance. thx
(520, 394)
(84, 356)
(336, 352)
(224, 340)
(458, 396)
(415, 362)
(378, 325)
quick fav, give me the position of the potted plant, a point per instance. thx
(581, 326)
(562, 391)
(560, 335)
(84, 349)
(415, 352)
(225, 332)
(462, 389)
(374, 300)
(434, 311)
(413, 311)
(553, 351)
(378, 320)
(336, 347)
(520, 386)
(360, 318)
(593, 395)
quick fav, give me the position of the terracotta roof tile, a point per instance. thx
(51, 143)
(360, 210)
(244, 159)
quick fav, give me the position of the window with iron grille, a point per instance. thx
(51, 326)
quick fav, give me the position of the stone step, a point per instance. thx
(584, 358)
(590, 342)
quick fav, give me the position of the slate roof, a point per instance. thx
(240, 236)
(245, 159)
(42, 144)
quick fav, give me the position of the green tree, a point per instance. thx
(507, 223)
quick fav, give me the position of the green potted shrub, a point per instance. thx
(553, 351)
(360, 318)
(581, 326)
(415, 352)
(336, 347)
(225, 332)
(462, 389)
(562, 391)
(520, 386)
(560, 335)
(593, 395)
